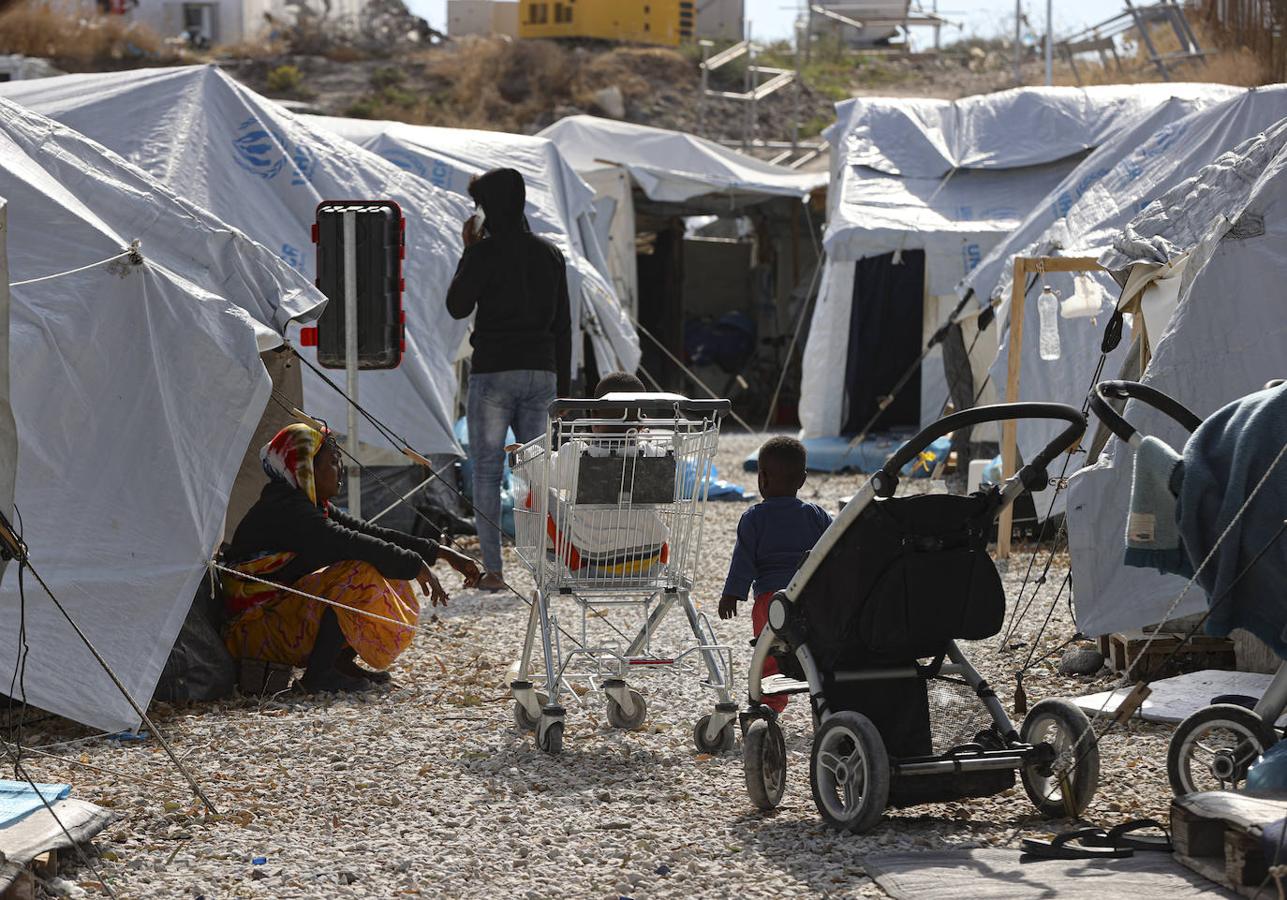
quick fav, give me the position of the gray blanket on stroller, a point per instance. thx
(1224, 460)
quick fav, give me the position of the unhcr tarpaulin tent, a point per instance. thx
(262, 169)
(673, 167)
(921, 191)
(1087, 212)
(1227, 336)
(137, 383)
(646, 179)
(560, 208)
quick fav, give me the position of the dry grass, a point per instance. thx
(77, 41)
(1222, 64)
(496, 83)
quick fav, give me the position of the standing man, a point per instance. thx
(522, 340)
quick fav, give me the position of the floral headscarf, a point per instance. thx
(289, 456)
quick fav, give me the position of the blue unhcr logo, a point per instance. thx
(292, 256)
(267, 153)
(406, 161)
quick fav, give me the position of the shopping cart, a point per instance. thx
(609, 506)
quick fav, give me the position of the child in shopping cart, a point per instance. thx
(772, 539)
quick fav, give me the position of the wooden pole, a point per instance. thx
(1024, 266)
(1018, 298)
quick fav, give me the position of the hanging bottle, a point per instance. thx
(1048, 312)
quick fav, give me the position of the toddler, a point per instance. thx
(772, 539)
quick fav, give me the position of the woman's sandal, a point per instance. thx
(1124, 836)
(1076, 844)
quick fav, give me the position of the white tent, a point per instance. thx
(560, 208)
(1222, 234)
(673, 167)
(1087, 212)
(262, 169)
(137, 383)
(936, 185)
(639, 171)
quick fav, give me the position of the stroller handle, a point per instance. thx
(1126, 390)
(656, 403)
(978, 415)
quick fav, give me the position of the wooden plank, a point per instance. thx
(1018, 300)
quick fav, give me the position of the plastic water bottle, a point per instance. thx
(1048, 311)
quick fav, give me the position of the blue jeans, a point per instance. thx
(498, 401)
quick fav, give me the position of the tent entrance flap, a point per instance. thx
(885, 339)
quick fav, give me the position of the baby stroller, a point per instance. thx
(608, 516)
(873, 616)
(1213, 748)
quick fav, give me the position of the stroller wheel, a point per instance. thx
(551, 738)
(522, 719)
(764, 759)
(849, 772)
(1066, 788)
(1212, 749)
(617, 717)
(723, 741)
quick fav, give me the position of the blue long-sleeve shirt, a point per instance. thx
(772, 538)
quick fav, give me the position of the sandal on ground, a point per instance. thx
(1124, 836)
(1076, 845)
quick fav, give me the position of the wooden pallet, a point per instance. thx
(43, 867)
(1217, 834)
(1199, 652)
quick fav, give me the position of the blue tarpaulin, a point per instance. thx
(17, 799)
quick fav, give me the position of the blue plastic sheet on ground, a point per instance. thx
(467, 475)
(719, 488)
(17, 799)
(833, 454)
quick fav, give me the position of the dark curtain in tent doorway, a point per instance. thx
(885, 339)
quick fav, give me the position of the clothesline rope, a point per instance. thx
(132, 251)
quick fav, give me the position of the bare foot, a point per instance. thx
(491, 582)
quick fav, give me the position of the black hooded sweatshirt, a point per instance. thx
(518, 283)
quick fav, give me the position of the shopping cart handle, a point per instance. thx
(1125, 390)
(887, 480)
(654, 403)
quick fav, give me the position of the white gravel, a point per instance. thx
(429, 790)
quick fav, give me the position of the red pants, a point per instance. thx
(760, 617)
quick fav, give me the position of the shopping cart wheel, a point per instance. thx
(849, 772)
(764, 759)
(1065, 788)
(522, 719)
(723, 739)
(550, 738)
(1212, 749)
(617, 717)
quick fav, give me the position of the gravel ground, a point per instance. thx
(428, 789)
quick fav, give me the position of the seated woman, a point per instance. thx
(295, 538)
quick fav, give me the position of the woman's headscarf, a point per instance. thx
(289, 456)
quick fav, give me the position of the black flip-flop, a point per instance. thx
(1124, 836)
(1076, 845)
